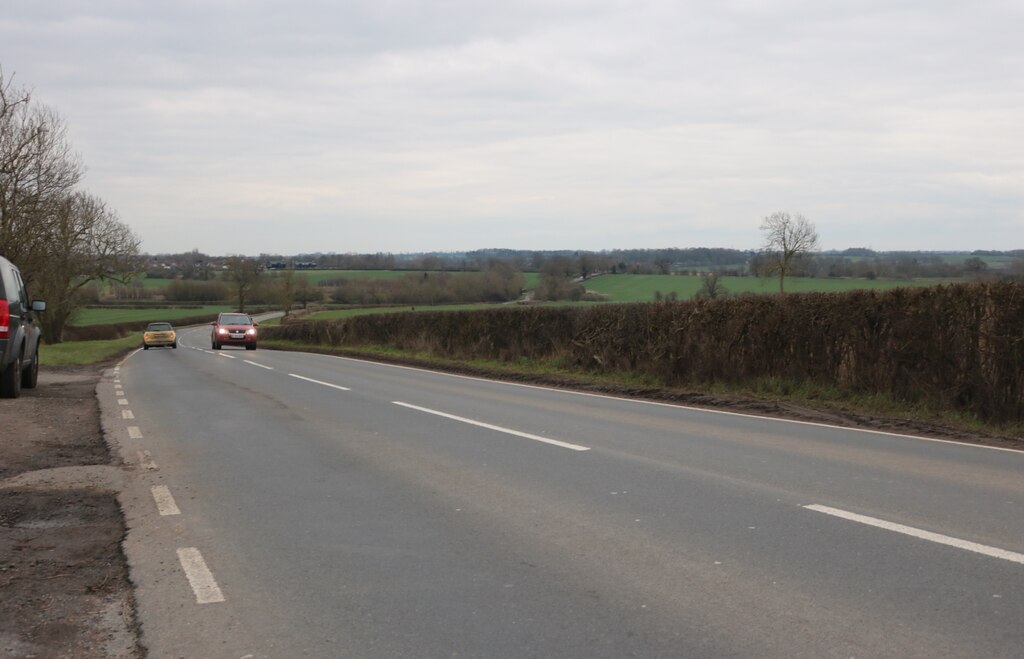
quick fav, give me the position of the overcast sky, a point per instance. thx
(250, 126)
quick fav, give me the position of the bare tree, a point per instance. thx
(38, 170)
(86, 243)
(242, 274)
(787, 240)
(711, 287)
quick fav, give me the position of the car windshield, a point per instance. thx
(158, 327)
(235, 319)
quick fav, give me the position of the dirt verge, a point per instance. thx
(64, 585)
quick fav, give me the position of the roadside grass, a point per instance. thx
(899, 416)
(642, 288)
(83, 353)
(87, 317)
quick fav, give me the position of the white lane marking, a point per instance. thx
(164, 501)
(508, 431)
(224, 355)
(326, 384)
(122, 401)
(134, 432)
(269, 368)
(199, 576)
(127, 414)
(967, 545)
(675, 405)
(146, 461)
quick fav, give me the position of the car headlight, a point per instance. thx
(251, 332)
(221, 330)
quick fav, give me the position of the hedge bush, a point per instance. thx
(959, 346)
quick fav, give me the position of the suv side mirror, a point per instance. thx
(38, 305)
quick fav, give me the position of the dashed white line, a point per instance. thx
(269, 368)
(508, 431)
(122, 401)
(164, 501)
(134, 432)
(146, 461)
(326, 384)
(199, 576)
(225, 355)
(966, 545)
(127, 414)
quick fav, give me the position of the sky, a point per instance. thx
(301, 126)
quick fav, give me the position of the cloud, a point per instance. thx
(445, 125)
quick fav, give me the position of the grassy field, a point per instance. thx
(641, 288)
(334, 314)
(109, 316)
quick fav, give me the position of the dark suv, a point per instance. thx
(19, 336)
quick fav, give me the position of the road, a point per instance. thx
(290, 504)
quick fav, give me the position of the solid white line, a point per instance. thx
(199, 576)
(134, 432)
(326, 384)
(994, 552)
(164, 501)
(509, 431)
(706, 410)
(127, 414)
(269, 368)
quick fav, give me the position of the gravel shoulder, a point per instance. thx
(64, 584)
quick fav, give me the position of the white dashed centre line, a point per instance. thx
(122, 401)
(966, 545)
(326, 384)
(269, 368)
(228, 356)
(164, 501)
(134, 432)
(199, 576)
(127, 414)
(146, 461)
(508, 431)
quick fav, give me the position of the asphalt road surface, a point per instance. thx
(290, 505)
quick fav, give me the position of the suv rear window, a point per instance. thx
(158, 327)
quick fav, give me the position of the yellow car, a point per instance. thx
(159, 334)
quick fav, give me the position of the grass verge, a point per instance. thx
(83, 353)
(768, 397)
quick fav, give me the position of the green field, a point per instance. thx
(641, 288)
(110, 316)
(334, 314)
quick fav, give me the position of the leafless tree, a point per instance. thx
(86, 243)
(711, 287)
(38, 169)
(242, 274)
(787, 239)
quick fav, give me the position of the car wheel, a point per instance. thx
(145, 347)
(175, 345)
(10, 380)
(251, 346)
(216, 346)
(30, 375)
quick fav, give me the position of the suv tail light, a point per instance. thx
(5, 320)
